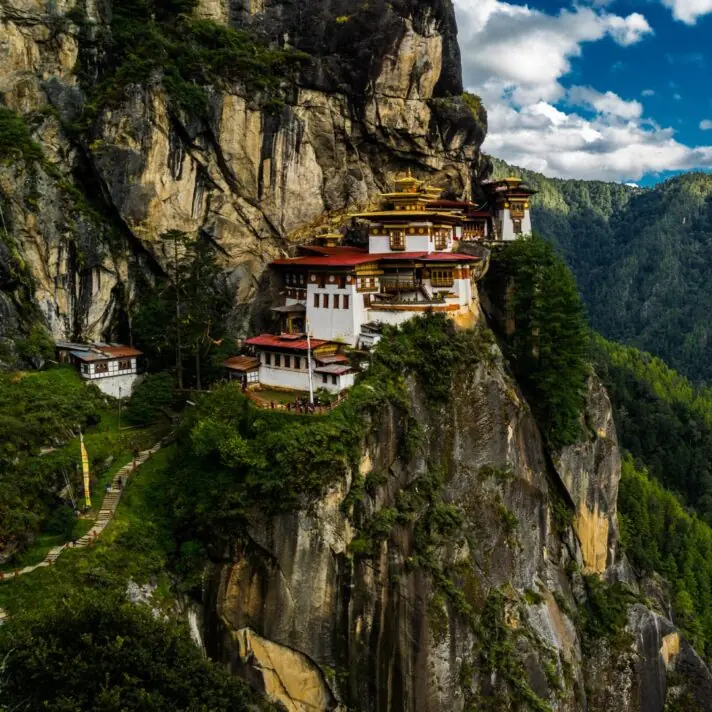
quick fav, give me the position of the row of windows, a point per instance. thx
(286, 360)
(104, 367)
(340, 301)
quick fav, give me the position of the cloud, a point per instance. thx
(525, 49)
(648, 92)
(688, 11)
(608, 103)
(676, 96)
(516, 59)
(706, 125)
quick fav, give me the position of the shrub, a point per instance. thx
(97, 651)
(150, 399)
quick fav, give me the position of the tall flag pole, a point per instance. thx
(309, 367)
(85, 470)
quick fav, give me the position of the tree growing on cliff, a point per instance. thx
(549, 343)
(98, 651)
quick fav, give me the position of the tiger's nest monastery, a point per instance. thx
(419, 258)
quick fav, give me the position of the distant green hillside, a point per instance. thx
(641, 259)
(665, 424)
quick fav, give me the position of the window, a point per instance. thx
(101, 368)
(326, 301)
(321, 280)
(397, 240)
(316, 299)
(342, 281)
(517, 226)
(297, 362)
(253, 376)
(124, 365)
(278, 360)
(366, 301)
(346, 301)
(440, 241)
(85, 368)
(268, 359)
(441, 277)
(334, 379)
(324, 378)
(287, 361)
(336, 301)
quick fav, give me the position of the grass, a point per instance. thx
(42, 544)
(135, 545)
(275, 396)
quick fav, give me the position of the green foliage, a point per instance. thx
(641, 259)
(235, 459)
(152, 39)
(549, 345)
(150, 399)
(606, 610)
(97, 651)
(659, 535)
(662, 419)
(15, 139)
(190, 306)
(37, 346)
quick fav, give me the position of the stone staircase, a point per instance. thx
(104, 516)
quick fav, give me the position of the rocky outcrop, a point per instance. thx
(242, 175)
(429, 617)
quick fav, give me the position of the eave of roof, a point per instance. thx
(242, 363)
(272, 341)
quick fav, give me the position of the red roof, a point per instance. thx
(336, 250)
(477, 214)
(429, 256)
(120, 351)
(291, 342)
(348, 258)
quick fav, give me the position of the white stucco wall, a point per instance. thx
(297, 380)
(344, 381)
(508, 233)
(394, 318)
(335, 324)
(111, 385)
(381, 244)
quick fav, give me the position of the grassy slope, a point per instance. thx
(135, 545)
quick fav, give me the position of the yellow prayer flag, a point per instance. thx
(85, 470)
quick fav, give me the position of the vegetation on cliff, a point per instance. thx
(547, 339)
(150, 39)
(99, 651)
(235, 458)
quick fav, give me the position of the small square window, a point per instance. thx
(316, 299)
(287, 361)
(326, 301)
(346, 301)
(297, 362)
(334, 379)
(278, 360)
(336, 301)
(324, 378)
(268, 359)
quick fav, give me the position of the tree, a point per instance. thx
(97, 651)
(185, 313)
(150, 399)
(549, 345)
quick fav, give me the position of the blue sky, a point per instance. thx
(613, 90)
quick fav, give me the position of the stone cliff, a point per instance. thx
(378, 93)
(452, 577)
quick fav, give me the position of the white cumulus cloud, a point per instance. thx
(706, 124)
(516, 57)
(648, 92)
(688, 11)
(608, 103)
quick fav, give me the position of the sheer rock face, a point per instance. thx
(382, 633)
(243, 176)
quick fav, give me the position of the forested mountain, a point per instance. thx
(641, 259)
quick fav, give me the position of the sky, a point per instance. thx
(615, 90)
